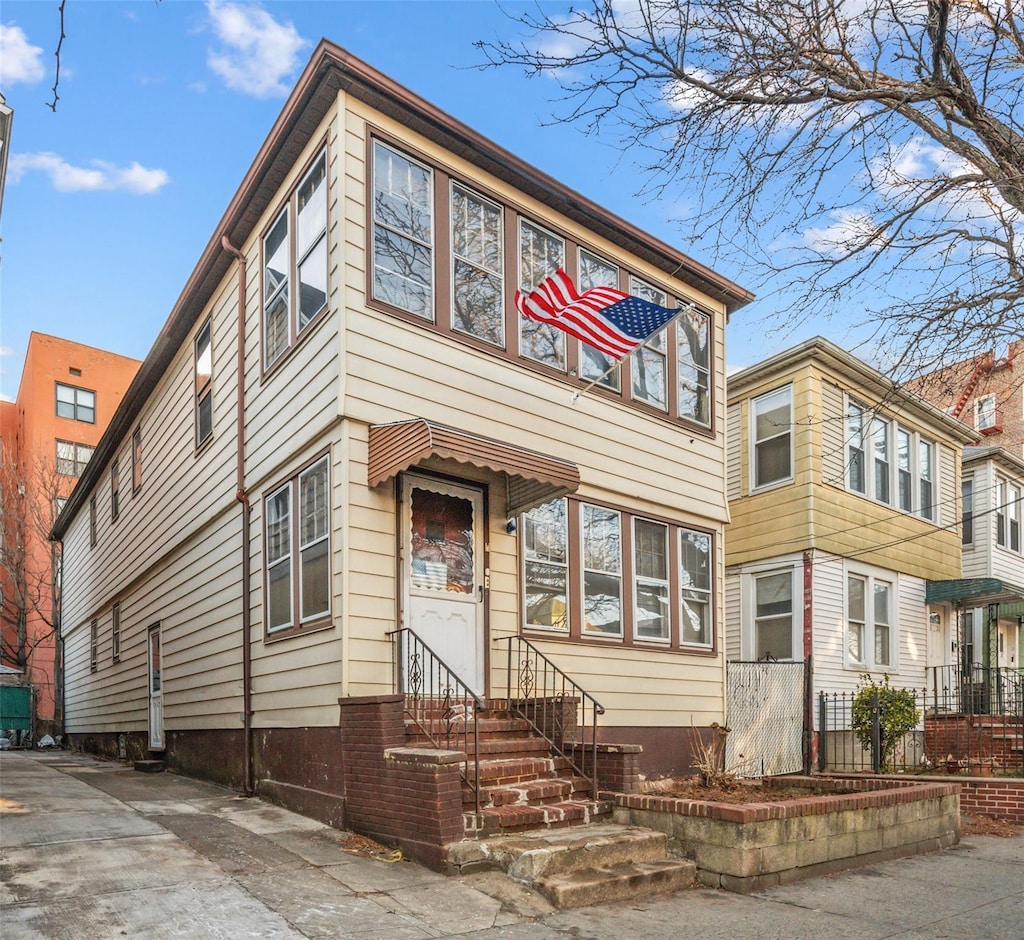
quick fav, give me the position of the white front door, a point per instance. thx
(443, 572)
(156, 699)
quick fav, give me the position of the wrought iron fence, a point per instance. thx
(440, 704)
(559, 710)
(969, 720)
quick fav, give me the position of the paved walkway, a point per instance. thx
(91, 850)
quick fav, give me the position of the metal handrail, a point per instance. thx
(556, 707)
(977, 690)
(440, 704)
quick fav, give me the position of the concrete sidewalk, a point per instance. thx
(92, 849)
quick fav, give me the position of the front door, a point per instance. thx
(156, 694)
(443, 572)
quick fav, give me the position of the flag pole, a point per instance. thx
(586, 388)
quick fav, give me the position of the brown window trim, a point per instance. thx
(115, 632)
(326, 621)
(200, 393)
(443, 178)
(323, 149)
(137, 455)
(94, 644)
(92, 522)
(628, 640)
(115, 489)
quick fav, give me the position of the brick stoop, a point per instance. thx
(582, 865)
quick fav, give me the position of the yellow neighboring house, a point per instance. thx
(844, 494)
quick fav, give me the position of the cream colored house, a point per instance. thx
(845, 495)
(345, 430)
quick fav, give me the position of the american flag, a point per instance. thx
(602, 317)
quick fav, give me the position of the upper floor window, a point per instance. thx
(908, 482)
(985, 412)
(72, 458)
(78, 404)
(94, 644)
(447, 255)
(295, 264)
(297, 556)
(772, 437)
(137, 460)
(967, 511)
(631, 579)
(869, 621)
(92, 521)
(115, 489)
(478, 301)
(403, 232)
(1008, 511)
(203, 367)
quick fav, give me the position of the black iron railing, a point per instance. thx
(440, 704)
(975, 690)
(559, 710)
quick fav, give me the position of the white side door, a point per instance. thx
(443, 572)
(156, 694)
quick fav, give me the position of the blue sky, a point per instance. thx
(111, 198)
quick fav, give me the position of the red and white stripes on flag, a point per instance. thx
(602, 317)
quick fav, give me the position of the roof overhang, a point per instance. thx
(533, 478)
(978, 592)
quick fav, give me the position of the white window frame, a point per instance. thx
(702, 594)
(967, 510)
(985, 412)
(539, 534)
(871, 578)
(755, 484)
(749, 618)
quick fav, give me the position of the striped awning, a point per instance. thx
(533, 478)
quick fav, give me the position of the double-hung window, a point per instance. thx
(295, 264)
(79, 404)
(541, 253)
(650, 362)
(772, 437)
(593, 572)
(478, 303)
(1000, 493)
(115, 489)
(92, 521)
(137, 460)
(856, 465)
(985, 412)
(967, 511)
(403, 232)
(904, 470)
(1007, 515)
(693, 332)
(297, 556)
(869, 622)
(203, 367)
(115, 632)
(596, 366)
(926, 477)
(880, 451)
(773, 615)
(72, 458)
(94, 644)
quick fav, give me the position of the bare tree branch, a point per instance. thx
(52, 105)
(862, 157)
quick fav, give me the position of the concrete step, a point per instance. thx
(628, 881)
(523, 817)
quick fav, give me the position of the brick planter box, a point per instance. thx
(748, 847)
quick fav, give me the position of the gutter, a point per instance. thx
(248, 786)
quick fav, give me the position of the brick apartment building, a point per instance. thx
(67, 395)
(986, 392)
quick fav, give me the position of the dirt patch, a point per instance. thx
(364, 847)
(690, 788)
(988, 826)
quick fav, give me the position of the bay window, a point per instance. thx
(478, 303)
(595, 573)
(540, 254)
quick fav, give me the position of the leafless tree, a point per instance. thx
(29, 562)
(858, 158)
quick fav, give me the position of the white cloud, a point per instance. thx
(67, 178)
(849, 229)
(258, 53)
(6, 351)
(19, 60)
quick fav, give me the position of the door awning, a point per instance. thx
(977, 592)
(533, 478)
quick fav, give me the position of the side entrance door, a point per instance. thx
(443, 572)
(156, 694)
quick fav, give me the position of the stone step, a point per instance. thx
(541, 790)
(524, 817)
(627, 881)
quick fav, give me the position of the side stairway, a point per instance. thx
(541, 822)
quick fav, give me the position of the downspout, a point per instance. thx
(248, 786)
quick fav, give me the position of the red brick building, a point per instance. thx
(67, 395)
(986, 392)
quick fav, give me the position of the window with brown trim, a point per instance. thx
(92, 521)
(203, 360)
(94, 645)
(115, 633)
(443, 253)
(297, 565)
(294, 278)
(597, 573)
(137, 460)
(115, 489)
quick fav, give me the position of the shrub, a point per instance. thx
(897, 715)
